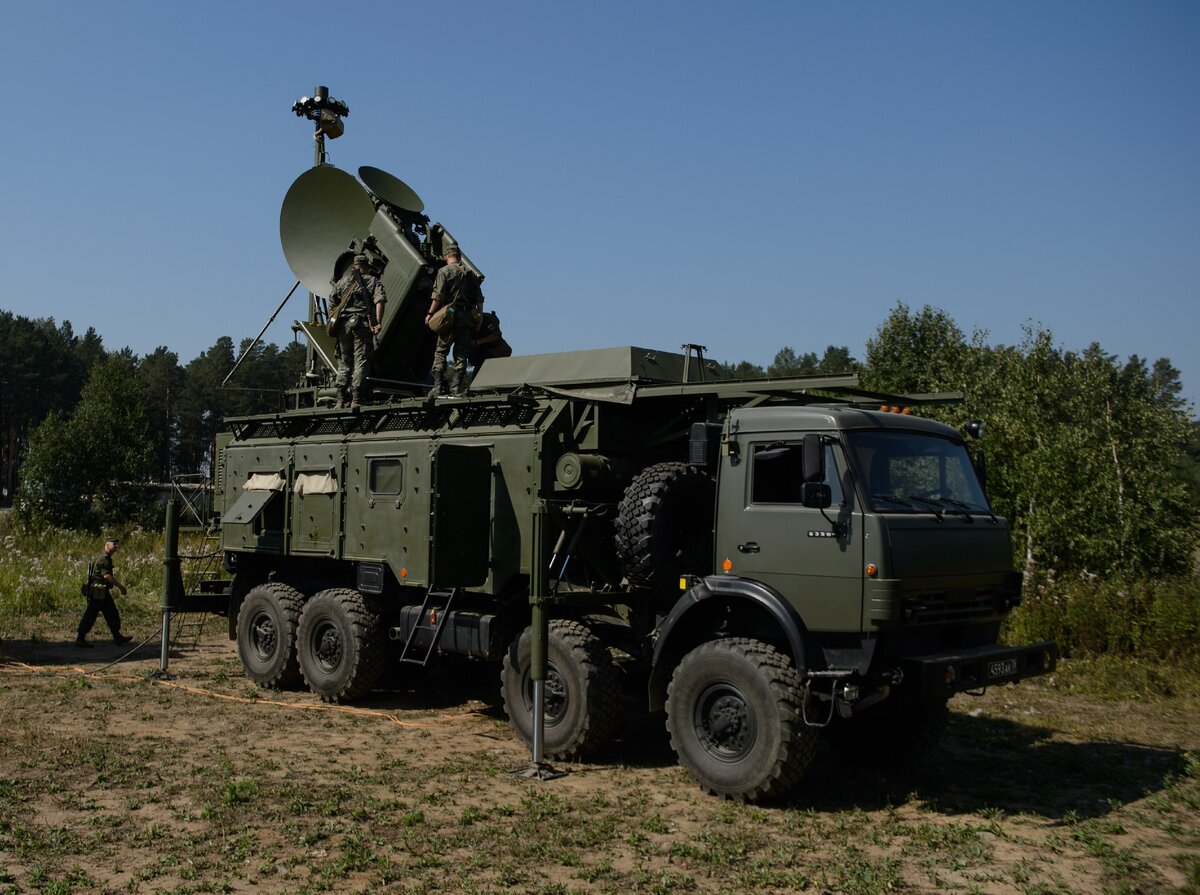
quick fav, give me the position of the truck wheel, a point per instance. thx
(581, 693)
(733, 712)
(266, 634)
(664, 524)
(341, 645)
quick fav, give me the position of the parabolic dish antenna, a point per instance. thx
(324, 210)
(391, 190)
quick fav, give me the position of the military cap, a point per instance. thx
(451, 249)
(112, 538)
(360, 258)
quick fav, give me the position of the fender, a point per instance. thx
(731, 589)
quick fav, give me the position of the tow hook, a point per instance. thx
(852, 707)
(835, 677)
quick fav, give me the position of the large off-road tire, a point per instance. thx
(582, 697)
(341, 644)
(664, 525)
(734, 715)
(894, 738)
(266, 634)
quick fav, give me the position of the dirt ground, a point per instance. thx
(114, 780)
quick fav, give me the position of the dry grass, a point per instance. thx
(116, 782)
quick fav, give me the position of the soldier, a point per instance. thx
(459, 287)
(100, 598)
(489, 342)
(361, 314)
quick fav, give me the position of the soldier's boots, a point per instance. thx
(341, 400)
(355, 400)
(120, 639)
(82, 642)
(439, 387)
(457, 384)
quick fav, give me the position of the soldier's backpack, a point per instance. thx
(86, 588)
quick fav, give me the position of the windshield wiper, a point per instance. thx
(937, 507)
(970, 506)
(891, 498)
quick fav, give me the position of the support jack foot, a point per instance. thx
(539, 770)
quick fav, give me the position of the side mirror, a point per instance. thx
(816, 495)
(979, 461)
(814, 460)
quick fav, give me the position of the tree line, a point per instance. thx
(81, 423)
(1094, 460)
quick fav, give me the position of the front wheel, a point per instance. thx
(734, 716)
(581, 693)
(341, 645)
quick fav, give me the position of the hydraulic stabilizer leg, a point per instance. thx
(537, 671)
(171, 580)
(539, 638)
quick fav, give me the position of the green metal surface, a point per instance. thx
(391, 189)
(785, 545)
(324, 210)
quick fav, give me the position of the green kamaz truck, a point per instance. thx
(767, 560)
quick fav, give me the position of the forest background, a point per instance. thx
(1094, 460)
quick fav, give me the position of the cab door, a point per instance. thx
(764, 532)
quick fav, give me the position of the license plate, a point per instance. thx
(1002, 668)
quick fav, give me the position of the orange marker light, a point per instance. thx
(727, 565)
(871, 570)
(404, 573)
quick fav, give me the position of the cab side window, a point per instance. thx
(777, 474)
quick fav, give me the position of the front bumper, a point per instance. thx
(945, 674)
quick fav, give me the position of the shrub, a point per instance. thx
(1148, 618)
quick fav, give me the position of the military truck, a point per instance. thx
(764, 560)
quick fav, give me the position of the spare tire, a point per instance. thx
(664, 525)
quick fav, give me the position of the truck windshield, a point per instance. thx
(908, 472)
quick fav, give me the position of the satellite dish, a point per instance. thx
(391, 190)
(325, 209)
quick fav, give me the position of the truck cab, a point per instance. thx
(907, 524)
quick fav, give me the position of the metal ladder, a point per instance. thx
(188, 627)
(436, 608)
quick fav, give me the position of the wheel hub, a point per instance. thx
(725, 723)
(264, 637)
(328, 641)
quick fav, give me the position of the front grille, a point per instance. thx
(952, 605)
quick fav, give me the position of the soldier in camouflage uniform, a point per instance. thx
(455, 285)
(361, 316)
(100, 598)
(488, 341)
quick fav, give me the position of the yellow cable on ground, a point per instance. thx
(7, 665)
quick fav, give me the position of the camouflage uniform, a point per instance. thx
(100, 601)
(489, 341)
(457, 286)
(356, 342)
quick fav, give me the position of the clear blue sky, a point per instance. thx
(746, 176)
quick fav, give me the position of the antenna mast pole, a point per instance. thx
(326, 113)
